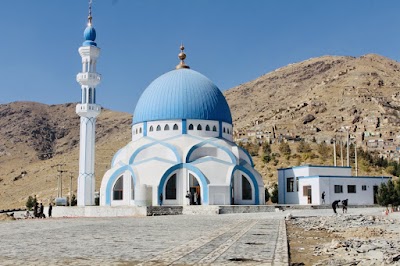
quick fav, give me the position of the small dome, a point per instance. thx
(182, 94)
(90, 36)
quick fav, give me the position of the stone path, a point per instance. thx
(252, 239)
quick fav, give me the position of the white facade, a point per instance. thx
(305, 184)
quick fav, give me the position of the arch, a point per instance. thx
(118, 189)
(214, 128)
(191, 127)
(112, 179)
(166, 127)
(158, 128)
(198, 145)
(151, 128)
(253, 180)
(207, 128)
(199, 127)
(175, 127)
(170, 188)
(246, 189)
(198, 174)
(248, 155)
(167, 145)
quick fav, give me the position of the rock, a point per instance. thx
(309, 118)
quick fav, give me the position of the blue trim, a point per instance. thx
(115, 157)
(207, 159)
(184, 126)
(167, 145)
(220, 129)
(343, 176)
(198, 173)
(198, 145)
(248, 155)
(314, 166)
(253, 179)
(117, 173)
(144, 128)
(153, 159)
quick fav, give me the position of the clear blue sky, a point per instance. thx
(229, 41)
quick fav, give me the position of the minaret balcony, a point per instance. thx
(88, 110)
(88, 79)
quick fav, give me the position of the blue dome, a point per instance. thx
(90, 36)
(182, 94)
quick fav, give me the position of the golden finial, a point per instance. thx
(182, 57)
(90, 13)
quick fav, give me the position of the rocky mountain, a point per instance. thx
(319, 96)
(313, 98)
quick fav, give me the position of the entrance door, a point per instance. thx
(375, 194)
(195, 190)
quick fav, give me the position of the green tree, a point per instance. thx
(266, 148)
(30, 203)
(274, 194)
(267, 196)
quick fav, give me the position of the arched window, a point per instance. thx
(132, 189)
(136, 131)
(140, 130)
(90, 96)
(199, 127)
(215, 128)
(158, 128)
(191, 127)
(224, 130)
(246, 189)
(170, 188)
(175, 127)
(228, 130)
(151, 128)
(118, 189)
(207, 128)
(166, 127)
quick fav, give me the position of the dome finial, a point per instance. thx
(90, 13)
(182, 57)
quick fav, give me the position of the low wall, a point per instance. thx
(246, 208)
(201, 210)
(98, 211)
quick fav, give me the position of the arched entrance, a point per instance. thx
(195, 190)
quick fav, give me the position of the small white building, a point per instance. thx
(305, 185)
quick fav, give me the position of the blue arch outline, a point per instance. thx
(115, 156)
(167, 145)
(248, 155)
(198, 173)
(198, 145)
(253, 179)
(117, 173)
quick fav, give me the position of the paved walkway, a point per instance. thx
(252, 239)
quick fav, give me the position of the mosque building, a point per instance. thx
(182, 150)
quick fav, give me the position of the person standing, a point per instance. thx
(35, 210)
(195, 198)
(41, 210)
(323, 197)
(50, 210)
(344, 205)
(188, 197)
(335, 205)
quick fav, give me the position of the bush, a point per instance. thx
(284, 148)
(30, 202)
(267, 196)
(274, 194)
(303, 147)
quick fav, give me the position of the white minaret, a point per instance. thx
(88, 110)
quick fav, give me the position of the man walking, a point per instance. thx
(335, 205)
(323, 197)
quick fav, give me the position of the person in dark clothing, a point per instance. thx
(344, 205)
(50, 210)
(41, 210)
(323, 197)
(35, 210)
(335, 205)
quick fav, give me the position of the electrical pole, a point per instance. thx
(348, 148)
(334, 151)
(70, 189)
(341, 150)
(355, 155)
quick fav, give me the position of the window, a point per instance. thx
(151, 128)
(214, 128)
(118, 189)
(158, 128)
(135, 131)
(338, 189)
(84, 96)
(224, 130)
(351, 189)
(132, 189)
(207, 128)
(246, 189)
(140, 130)
(166, 127)
(191, 127)
(290, 184)
(170, 188)
(94, 95)
(227, 130)
(297, 183)
(90, 96)
(364, 187)
(306, 191)
(199, 127)
(175, 127)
